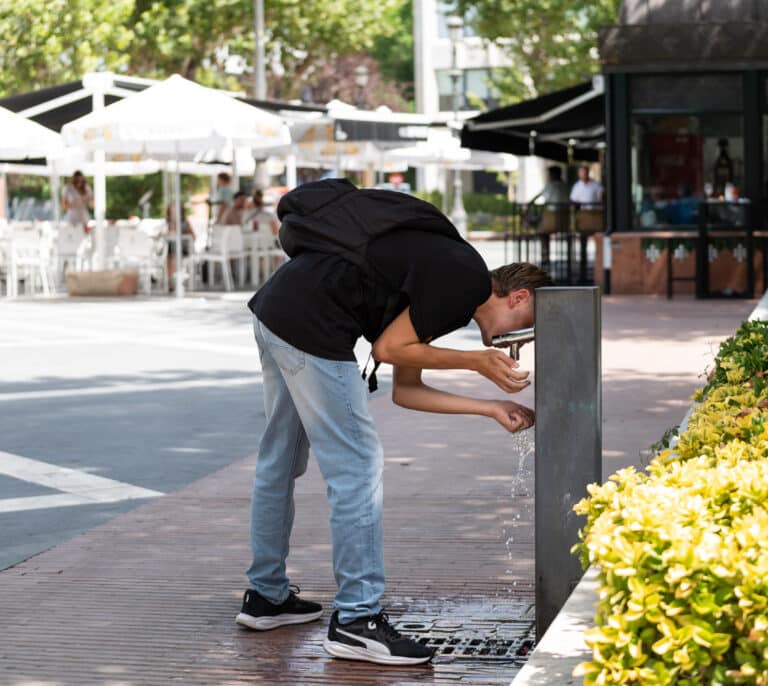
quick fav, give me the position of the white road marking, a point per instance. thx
(78, 487)
(41, 502)
(248, 349)
(138, 387)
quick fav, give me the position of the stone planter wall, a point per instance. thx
(639, 267)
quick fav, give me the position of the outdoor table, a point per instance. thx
(186, 238)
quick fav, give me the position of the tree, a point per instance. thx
(303, 36)
(551, 43)
(393, 47)
(199, 38)
(187, 37)
(44, 43)
(336, 79)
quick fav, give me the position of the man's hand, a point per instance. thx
(502, 370)
(511, 416)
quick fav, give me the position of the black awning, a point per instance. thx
(57, 116)
(385, 132)
(544, 126)
(283, 105)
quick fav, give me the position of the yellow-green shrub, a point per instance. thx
(682, 547)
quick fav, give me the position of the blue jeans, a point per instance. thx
(309, 400)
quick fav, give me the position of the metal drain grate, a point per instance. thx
(509, 642)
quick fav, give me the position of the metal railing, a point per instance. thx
(555, 237)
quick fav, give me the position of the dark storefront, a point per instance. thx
(686, 88)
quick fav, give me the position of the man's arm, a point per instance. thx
(399, 346)
(410, 392)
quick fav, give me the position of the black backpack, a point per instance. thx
(335, 217)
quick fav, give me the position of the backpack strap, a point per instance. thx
(373, 383)
(390, 312)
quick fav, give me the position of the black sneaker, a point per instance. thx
(373, 639)
(258, 613)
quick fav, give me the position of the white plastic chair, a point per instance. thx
(226, 244)
(135, 249)
(70, 250)
(5, 256)
(29, 261)
(265, 255)
(152, 227)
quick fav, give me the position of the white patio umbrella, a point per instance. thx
(444, 149)
(22, 138)
(176, 120)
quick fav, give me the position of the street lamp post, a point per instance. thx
(361, 80)
(456, 32)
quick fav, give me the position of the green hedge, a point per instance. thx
(682, 547)
(486, 203)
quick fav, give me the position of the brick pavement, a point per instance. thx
(150, 597)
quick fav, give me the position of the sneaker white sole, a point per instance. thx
(349, 652)
(266, 623)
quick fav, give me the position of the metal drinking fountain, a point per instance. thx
(568, 432)
(514, 339)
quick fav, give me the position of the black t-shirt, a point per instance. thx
(322, 304)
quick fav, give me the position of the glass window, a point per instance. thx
(474, 85)
(678, 161)
(703, 93)
(764, 122)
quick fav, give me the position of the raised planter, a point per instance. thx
(102, 283)
(562, 647)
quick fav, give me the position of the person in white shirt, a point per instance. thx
(76, 199)
(586, 192)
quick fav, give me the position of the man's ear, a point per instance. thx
(518, 297)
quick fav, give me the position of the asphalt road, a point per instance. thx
(149, 395)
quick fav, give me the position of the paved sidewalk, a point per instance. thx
(150, 596)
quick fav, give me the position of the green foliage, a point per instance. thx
(551, 43)
(44, 43)
(435, 197)
(123, 193)
(742, 358)
(178, 35)
(682, 547)
(308, 33)
(22, 186)
(666, 440)
(485, 211)
(488, 203)
(393, 47)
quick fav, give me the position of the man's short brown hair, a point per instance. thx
(513, 277)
